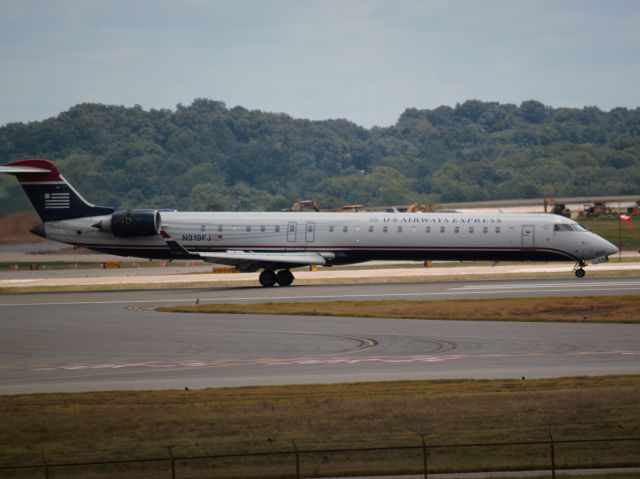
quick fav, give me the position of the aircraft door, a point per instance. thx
(310, 232)
(528, 236)
(291, 231)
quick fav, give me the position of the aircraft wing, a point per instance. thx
(254, 260)
(250, 261)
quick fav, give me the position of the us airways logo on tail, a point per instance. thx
(52, 196)
(56, 200)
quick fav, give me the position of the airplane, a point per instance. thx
(275, 242)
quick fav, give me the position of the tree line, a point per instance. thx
(206, 156)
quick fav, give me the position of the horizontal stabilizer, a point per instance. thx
(14, 170)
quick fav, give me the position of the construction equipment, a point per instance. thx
(416, 208)
(305, 204)
(598, 208)
(352, 208)
(420, 208)
(556, 208)
(413, 208)
(634, 210)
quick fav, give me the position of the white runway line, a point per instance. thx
(551, 285)
(523, 289)
(185, 279)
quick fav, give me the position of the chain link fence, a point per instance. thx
(547, 456)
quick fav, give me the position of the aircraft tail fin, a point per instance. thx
(51, 195)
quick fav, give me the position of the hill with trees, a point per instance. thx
(207, 156)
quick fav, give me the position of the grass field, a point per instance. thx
(125, 425)
(589, 309)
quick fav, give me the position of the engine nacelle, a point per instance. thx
(127, 223)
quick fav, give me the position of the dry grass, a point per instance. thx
(117, 425)
(15, 228)
(625, 309)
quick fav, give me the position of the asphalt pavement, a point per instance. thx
(116, 340)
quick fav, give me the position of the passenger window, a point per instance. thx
(248, 229)
(277, 229)
(262, 229)
(370, 229)
(470, 229)
(385, 229)
(220, 228)
(485, 229)
(202, 228)
(456, 229)
(399, 229)
(442, 229)
(331, 228)
(428, 230)
(498, 229)
(345, 229)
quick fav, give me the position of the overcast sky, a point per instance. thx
(363, 60)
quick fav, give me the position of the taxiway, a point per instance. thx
(115, 340)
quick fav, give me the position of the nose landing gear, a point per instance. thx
(578, 269)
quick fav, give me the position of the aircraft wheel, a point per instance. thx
(580, 273)
(284, 277)
(267, 278)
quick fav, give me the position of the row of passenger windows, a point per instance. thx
(248, 228)
(400, 229)
(443, 229)
(345, 229)
(385, 229)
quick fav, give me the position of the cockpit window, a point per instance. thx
(562, 227)
(578, 227)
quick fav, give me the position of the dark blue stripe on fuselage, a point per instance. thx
(358, 256)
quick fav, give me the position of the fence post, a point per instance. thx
(297, 459)
(425, 453)
(553, 455)
(173, 462)
(46, 466)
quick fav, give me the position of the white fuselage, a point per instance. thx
(354, 237)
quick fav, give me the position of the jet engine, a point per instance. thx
(129, 223)
(135, 223)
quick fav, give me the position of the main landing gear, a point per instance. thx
(269, 278)
(578, 269)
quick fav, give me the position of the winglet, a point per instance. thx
(174, 246)
(15, 170)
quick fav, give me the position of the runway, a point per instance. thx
(114, 340)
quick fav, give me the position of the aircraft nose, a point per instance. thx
(609, 248)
